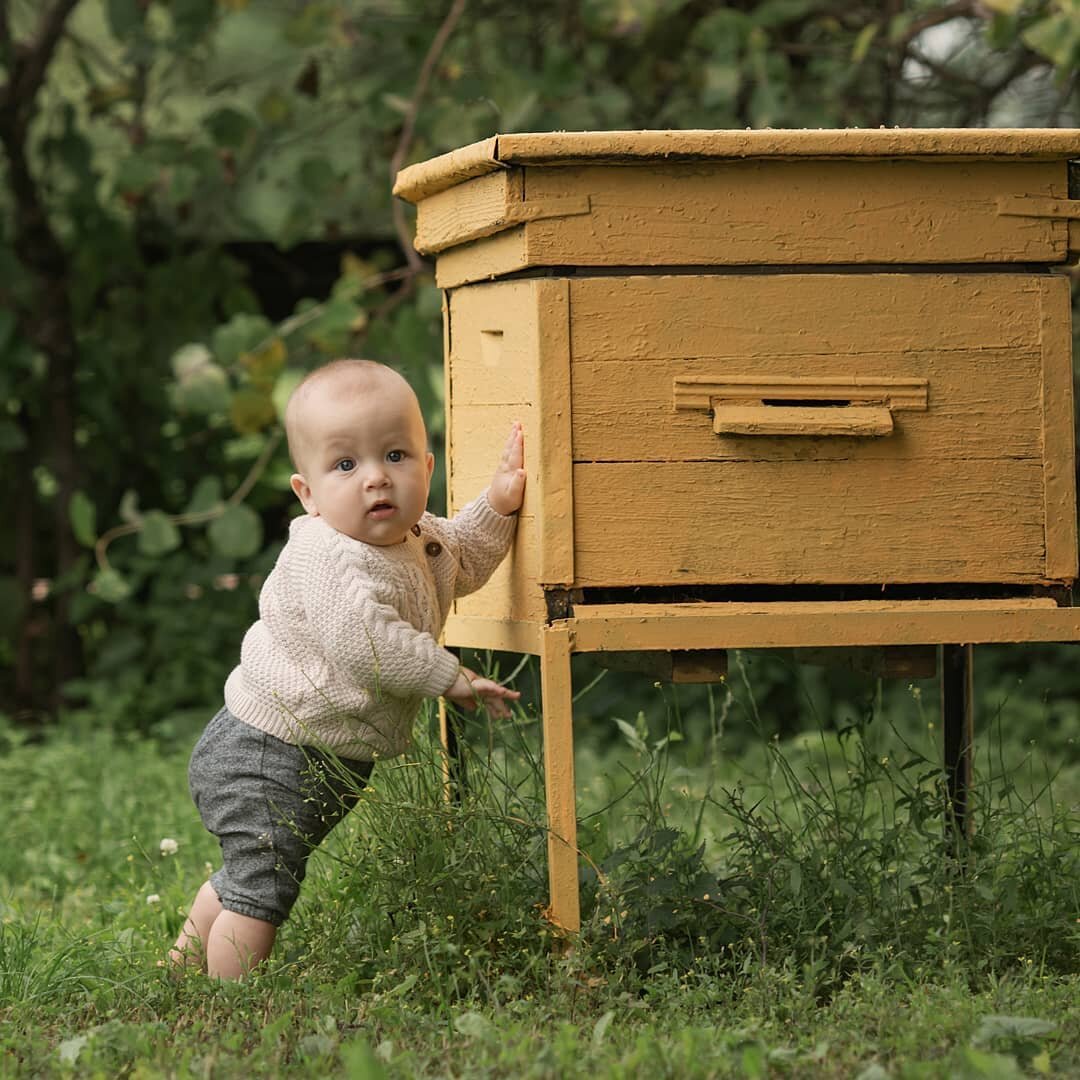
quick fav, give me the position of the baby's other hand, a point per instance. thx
(470, 690)
(508, 485)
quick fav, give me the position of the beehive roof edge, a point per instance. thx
(417, 182)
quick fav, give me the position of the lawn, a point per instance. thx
(755, 905)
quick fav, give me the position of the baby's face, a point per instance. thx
(366, 467)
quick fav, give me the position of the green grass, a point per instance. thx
(754, 906)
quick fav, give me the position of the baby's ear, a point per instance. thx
(430, 464)
(302, 491)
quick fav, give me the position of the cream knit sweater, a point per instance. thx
(345, 647)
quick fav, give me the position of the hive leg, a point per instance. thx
(453, 760)
(557, 698)
(957, 719)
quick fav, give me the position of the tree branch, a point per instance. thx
(401, 152)
(46, 320)
(6, 47)
(31, 65)
(103, 542)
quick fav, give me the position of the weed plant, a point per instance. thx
(800, 909)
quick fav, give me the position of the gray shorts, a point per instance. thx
(269, 803)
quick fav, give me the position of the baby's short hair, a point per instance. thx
(371, 370)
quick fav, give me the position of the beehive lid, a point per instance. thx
(575, 147)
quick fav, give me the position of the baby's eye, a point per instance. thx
(345, 465)
(395, 456)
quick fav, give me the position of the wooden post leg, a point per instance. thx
(557, 699)
(453, 762)
(957, 720)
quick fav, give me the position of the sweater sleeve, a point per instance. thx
(479, 538)
(364, 636)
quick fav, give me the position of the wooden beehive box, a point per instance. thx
(822, 365)
(779, 388)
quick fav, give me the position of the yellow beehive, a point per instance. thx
(779, 389)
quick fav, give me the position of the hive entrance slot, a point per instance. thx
(808, 403)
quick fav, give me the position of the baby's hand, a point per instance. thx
(470, 690)
(508, 485)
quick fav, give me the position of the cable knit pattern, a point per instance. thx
(345, 647)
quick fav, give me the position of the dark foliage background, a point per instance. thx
(195, 208)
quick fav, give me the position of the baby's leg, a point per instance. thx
(190, 947)
(269, 803)
(236, 944)
(221, 943)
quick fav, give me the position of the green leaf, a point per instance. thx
(631, 735)
(159, 535)
(204, 391)
(275, 108)
(317, 176)
(863, 43)
(990, 1066)
(124, 18)
(243, 333)
(230, 127)
(331, 330)
(269, 209)
(202, 386)
(473, 1025)
(359, 1060)
(313, 23)
(286, 383)
(795, 879)
(70, 1049)
(753, 1061)
(192, 19)
(77, 153)
(251, 410)
(1057, 37)
(237, 534)
(404, 986)
(83, 516)
(205, 497)
(189, 358)
(600, 1028)
(129, 508)
(262, 365)
(776, 13)
(111, 586)
(1011, 1027)
(184, 182)
(103, 96)
(136, 175)
(244, 448)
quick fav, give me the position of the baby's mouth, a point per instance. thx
(381, 509)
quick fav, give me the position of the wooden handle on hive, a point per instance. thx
(800, 405)
(846, 420)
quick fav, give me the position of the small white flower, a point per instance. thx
(168, 846)
(153, 898)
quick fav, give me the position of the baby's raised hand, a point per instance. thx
(508, 485)
(470, 690)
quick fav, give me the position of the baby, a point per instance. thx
(333, 673)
